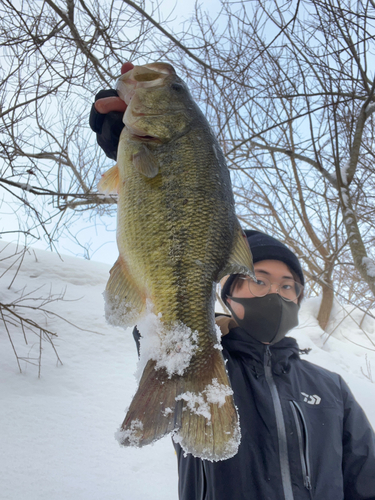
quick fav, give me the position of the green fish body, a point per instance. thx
(177, 235)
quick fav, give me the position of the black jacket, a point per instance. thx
(303, 434)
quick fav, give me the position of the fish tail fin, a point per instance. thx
(209, 422)
(197, 407)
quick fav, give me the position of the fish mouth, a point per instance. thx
(137, 114)
(138, 135)
(145, 138)
(138, 132)
(149, 75)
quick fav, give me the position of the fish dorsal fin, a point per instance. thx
(240, 260)
(145, 162)
(110, 181)
(124, 302)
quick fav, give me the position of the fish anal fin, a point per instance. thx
(197, 407)
(110, 181)
(145, 162)
(124, 301)
(240, 260)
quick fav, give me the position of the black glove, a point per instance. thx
(137, 336)
(107, 126)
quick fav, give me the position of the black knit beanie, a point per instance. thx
(264, 247)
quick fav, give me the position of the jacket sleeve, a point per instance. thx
(358, 450)
(107, 126)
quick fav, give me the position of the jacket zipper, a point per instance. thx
(281, 431)
(204, 481)
(303, 446)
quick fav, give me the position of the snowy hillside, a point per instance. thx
(57, 431)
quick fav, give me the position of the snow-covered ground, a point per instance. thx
(57, 431)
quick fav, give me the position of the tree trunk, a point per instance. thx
(325, 307)
(327, 297)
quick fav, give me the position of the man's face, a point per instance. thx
(275, 271)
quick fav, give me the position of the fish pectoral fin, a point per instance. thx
(240, 260)
(110, 181)
(124, 302)
(145, 162)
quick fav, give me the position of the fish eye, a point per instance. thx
(177, 87)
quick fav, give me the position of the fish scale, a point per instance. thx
(173, 224)
(177, 234)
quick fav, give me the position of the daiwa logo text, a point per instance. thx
(311, 400)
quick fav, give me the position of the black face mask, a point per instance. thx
(267, 319)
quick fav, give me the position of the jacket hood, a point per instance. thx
(239, 343)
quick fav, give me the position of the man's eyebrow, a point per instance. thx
(269, 274)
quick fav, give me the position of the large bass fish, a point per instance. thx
(177, 235)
